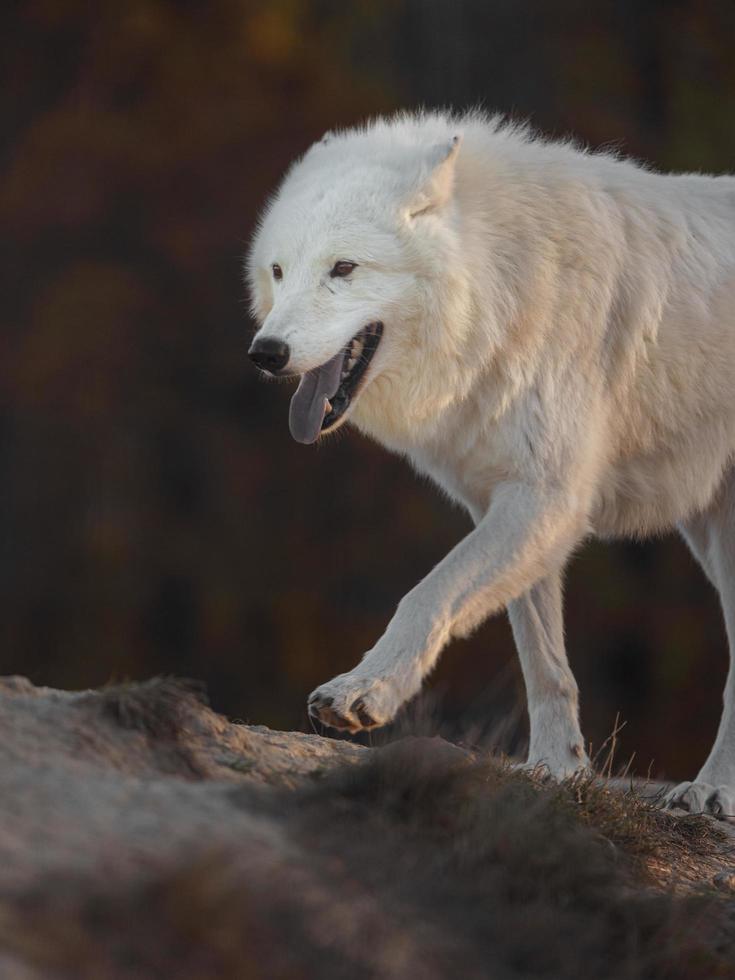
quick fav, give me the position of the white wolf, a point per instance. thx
(546, 332)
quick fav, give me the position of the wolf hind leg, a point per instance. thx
(538, 629)
(711, 538)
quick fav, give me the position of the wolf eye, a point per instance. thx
(342, 269)
(277, 271)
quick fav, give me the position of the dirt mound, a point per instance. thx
(142, 835)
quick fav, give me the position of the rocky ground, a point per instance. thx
(144, 836)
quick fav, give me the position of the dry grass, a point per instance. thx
(538, 879)
(679, 852)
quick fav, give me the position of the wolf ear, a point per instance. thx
(438, 178)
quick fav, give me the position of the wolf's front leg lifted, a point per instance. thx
(370, 695)
(526, 533)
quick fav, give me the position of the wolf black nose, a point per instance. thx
(270, 354)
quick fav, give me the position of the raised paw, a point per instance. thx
(354, 704)
(321, 708)
(701, 797)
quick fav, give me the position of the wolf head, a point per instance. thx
(356, 277)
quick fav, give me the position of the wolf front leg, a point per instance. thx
(527, 532)
(538, 628)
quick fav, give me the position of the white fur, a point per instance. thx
(558, 355)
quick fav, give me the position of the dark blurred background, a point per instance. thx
(156, 515)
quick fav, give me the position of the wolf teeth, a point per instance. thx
(348, 367)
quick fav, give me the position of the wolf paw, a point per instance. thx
(354, 704)
(700, 797)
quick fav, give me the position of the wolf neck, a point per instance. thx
(408, 402)
(428, 409)
(456, 347)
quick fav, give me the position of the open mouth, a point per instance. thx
(355, 363)
(325, 394)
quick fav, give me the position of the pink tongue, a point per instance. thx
(308, 405)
